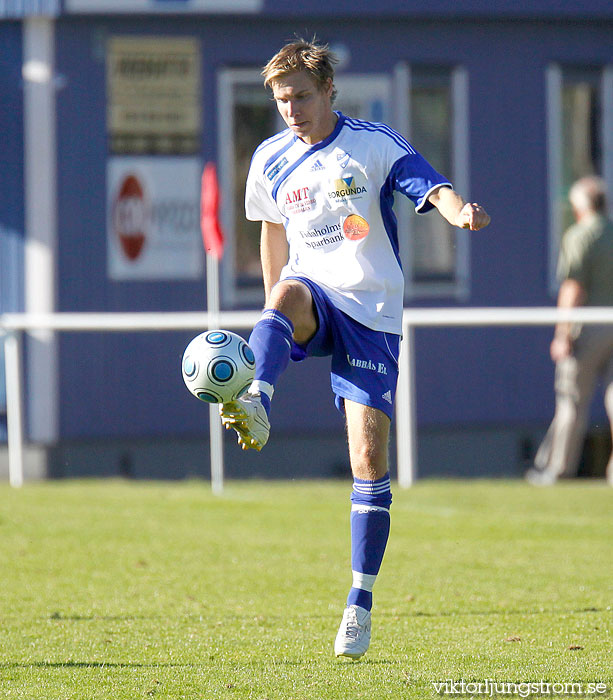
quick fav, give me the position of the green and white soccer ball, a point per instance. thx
(218, 366)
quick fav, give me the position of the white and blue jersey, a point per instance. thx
(335, 200)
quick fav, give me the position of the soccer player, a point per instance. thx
(323, 190)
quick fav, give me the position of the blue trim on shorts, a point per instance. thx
(364, 365)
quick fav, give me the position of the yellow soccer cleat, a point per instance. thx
(247, 416)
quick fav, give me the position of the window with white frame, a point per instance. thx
(247, 116)
(580, 140)
(432, 113)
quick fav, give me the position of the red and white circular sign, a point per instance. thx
(130, 217)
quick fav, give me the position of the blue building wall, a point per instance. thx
(470, 375)
(11, 126)
(11, 183)
(443, 9)
(465, 377)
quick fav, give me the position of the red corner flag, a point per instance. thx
(212, 235)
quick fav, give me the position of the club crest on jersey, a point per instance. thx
(343, 158)
(276, 168)
(298, 200)
(345, 189)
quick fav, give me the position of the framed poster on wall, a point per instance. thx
(154, 100)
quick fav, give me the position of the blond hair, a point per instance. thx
(315, 59)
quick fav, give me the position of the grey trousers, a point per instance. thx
(575, 382)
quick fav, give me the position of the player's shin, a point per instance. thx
(370, 526)
(271, 342)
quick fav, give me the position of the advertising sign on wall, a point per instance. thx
(153, 218)
(153, 95)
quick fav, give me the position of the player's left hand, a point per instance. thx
(473, 216)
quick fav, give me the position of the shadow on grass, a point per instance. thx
(339, 663)
(272, 619)
(502, 611)
(91, 664)
(60, 617)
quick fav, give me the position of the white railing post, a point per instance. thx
(215, 427)
(406, 418)
(216, 437)
(14, 410)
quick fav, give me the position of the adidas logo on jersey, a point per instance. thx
(387, 396)
(317, 166)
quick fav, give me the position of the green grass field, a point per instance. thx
(114, 590)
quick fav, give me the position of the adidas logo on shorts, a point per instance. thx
(387, 396)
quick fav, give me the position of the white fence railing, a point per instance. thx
(12, 326)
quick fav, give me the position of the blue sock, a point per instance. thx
(370, 526)
(271, 342)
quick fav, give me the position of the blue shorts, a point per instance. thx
(364, 364)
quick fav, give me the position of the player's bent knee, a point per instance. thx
(290, 293)
(294, 300)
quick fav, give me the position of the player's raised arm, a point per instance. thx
(457, 211)
(273, 254)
